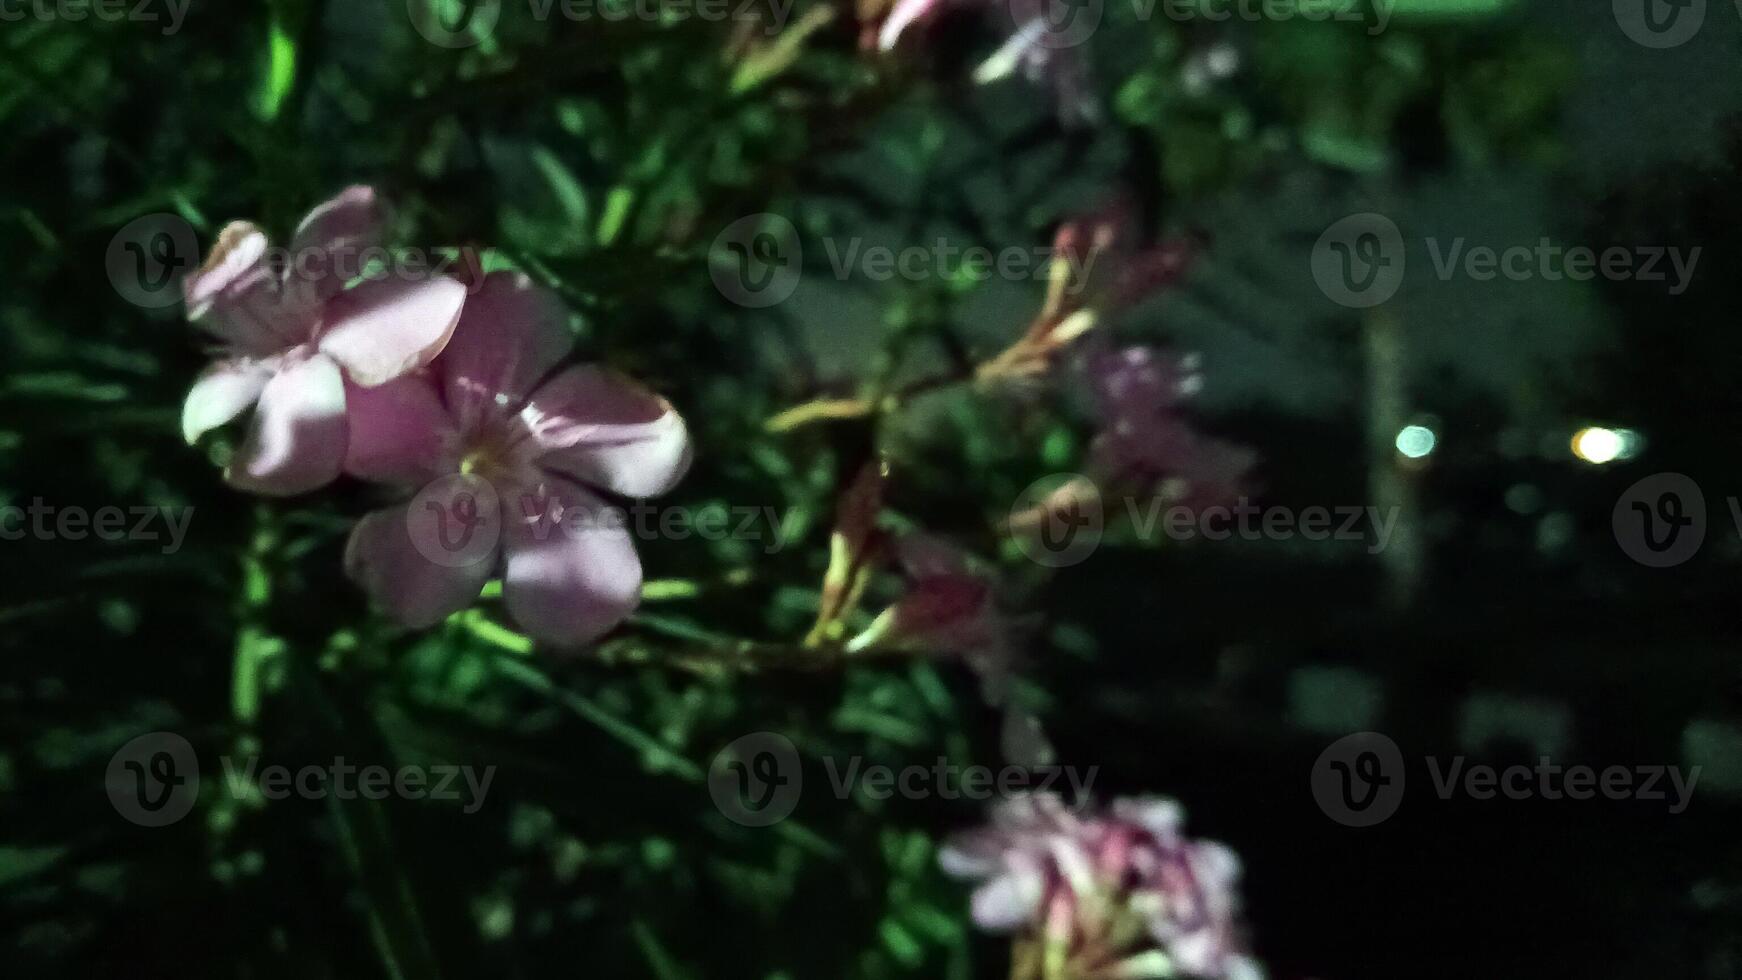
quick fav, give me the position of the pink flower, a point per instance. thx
(291, 336)
(1118, 272)
(1097, 272)
(1120, 892)
(494, 421)
(946, 607)
(1144, 443)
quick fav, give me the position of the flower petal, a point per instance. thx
(327, 250)
(234, 257)
(1217, 869)
(1162, 817)
(904, 13)
(572, 571)
(510, 336)
(1010, 900)
(382, 556)
(384, 328)
(923, 556)
(1201, 953)
(224, 391)
(238, 297)
(351, 219)
(975, 855)
(297, 442)
(1022, 738)
(400, 431)
(608, 431)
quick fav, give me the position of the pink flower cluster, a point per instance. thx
(1144, 444)
(1115, 892)
(946, 607)
(432, 383)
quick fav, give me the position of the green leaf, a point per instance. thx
(280, 73)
